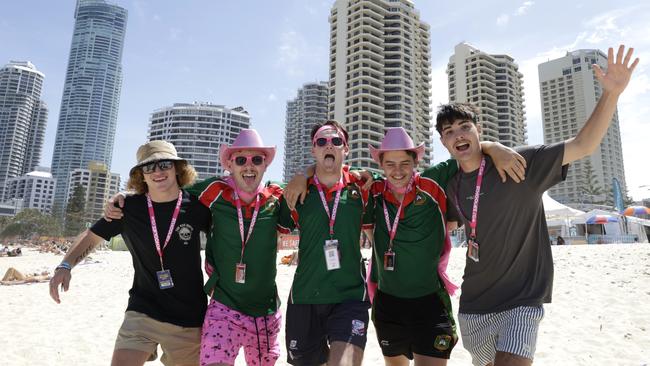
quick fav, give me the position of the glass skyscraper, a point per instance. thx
(91, 93)
(23, 116)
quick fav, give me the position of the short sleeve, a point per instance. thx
(442, 172)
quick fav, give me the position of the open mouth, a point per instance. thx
(463, 146)
(160, 179)
(329, 156)
(249, 178)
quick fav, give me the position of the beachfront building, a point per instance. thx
(569, 92)
(23, 116)
(307, 109)
(35, 189)
(99, 184)
(197, 130)
(379, 74)
(91, 93)
(494, 84)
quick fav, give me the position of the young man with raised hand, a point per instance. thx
(509, 265)
(327, 311)
(160, 226)
(412, 309)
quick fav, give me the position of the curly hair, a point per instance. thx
(185, 175)
(448, 113)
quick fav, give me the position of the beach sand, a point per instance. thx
(600, 313)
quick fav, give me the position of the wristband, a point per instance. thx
(63, 265)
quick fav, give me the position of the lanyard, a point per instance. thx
(332, 217)
(154, 228)
(477, 192)
(240, 218)
(393, 230)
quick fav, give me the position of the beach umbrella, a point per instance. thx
(636, 210)
(601, 219)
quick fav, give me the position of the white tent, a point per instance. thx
(558, 218)
(555, 208)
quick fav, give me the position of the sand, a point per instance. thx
(600, 313)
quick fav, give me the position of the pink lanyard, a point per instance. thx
(393, 230)
(154, 228)
(240, 218)
(477, 192)
(336, 203)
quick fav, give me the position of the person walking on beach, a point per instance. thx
(509, 266)
(412, 309)
(327, 311)
(160, 226)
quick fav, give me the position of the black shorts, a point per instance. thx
(423, 325)
(311, 328)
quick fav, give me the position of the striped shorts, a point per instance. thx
(512, 331)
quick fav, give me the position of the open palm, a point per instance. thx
(618, 72)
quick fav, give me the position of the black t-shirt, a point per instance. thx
(185, 303)
(516, 263)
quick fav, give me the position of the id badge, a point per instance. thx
(332, 254)
(389, 261)
(472, 250)
(240, 273)
(165, 279)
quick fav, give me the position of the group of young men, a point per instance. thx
(508, 273)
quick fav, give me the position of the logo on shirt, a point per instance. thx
(184, 232)
(358, 327)
(353, 193)
(442, 342)
(419, 199)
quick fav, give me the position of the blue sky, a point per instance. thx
(258, 53)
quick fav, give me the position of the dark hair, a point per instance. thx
(448, 113)
(330, 122)
(409, 152)
(185, 175)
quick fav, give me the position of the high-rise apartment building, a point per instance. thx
(380, 73)
(23, 116)
(100, 185)
(197, 130)
(569, 92)
(307, 109)
(91, 93)
(494, 84)
(35, 189)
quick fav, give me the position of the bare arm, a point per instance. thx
(613, 83)
(506, 160)
(84, 245)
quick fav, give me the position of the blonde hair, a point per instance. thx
(185, 175)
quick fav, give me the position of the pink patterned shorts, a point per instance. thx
(226, 330)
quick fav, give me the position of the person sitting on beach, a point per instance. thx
(412, 309)
(509, 265)
(160, 226)
(16, 252)
(15, 277)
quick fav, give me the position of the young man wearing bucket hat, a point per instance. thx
(240, 255)
(509, 266)
(327, 311)
(412, 309)
(160, 226)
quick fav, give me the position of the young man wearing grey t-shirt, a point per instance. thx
(509, 265)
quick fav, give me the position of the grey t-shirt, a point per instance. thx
(516, 264)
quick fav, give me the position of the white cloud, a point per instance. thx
(175, 34)
(272, 97)
(290, 51)
(502, 20)
(523, 9)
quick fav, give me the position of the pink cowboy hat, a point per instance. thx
(396, 139)
(248, 139)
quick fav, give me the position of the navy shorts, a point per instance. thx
(311, 328)
(422, 325)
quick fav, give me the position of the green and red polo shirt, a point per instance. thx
(312, 282)
(420, 233)
(258, 295)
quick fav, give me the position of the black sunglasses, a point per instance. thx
(322, 141)
(161, 164)
(243, 160)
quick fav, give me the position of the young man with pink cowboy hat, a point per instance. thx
(412, 309)
(241, 256)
